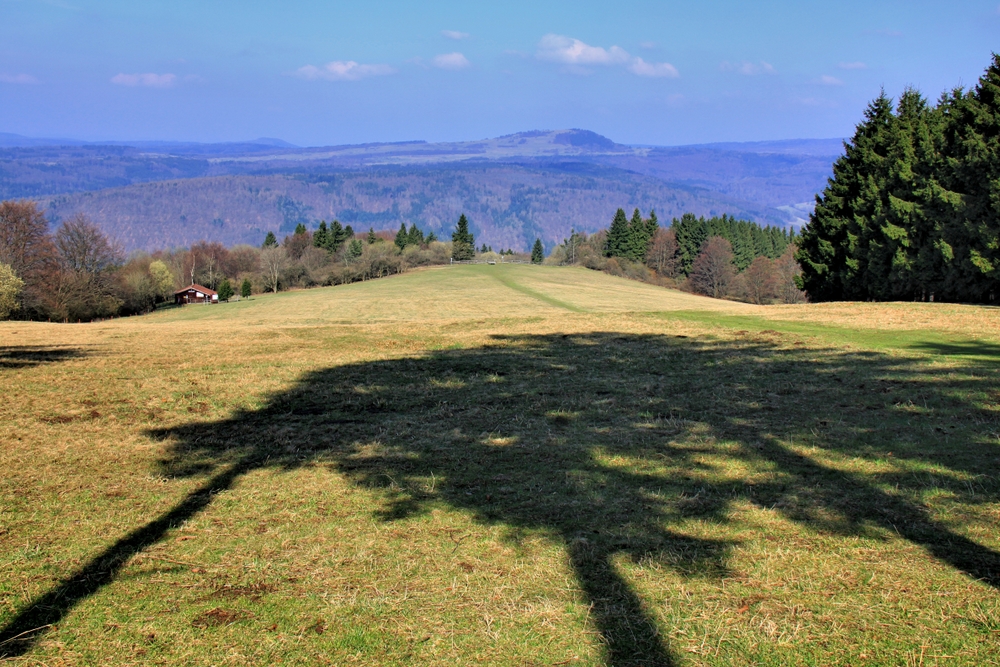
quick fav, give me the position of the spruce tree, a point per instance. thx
(828, 249)
(537, 252)
(300, 228)
(246, 289)
(348, 232)
(321, 236)
(225, 290)
(463, 244)
(637, 238)
(336, 236)
(270, 241)
(415, 236)
(371, 236)
(402, 238)
(355, 249)
(618, 236)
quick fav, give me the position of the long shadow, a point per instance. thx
(24, 356)
(600, 441)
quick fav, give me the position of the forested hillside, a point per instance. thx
(515, 188)
(508, 205)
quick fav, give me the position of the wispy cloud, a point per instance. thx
(569, 51)
(343, 70)
(452, 61)
(148, 80)
(455, 34)
(640, 67)
(854, 65)
(828, 80)
(17, 78)
(747, 68)
(577, 55)
(648, 45)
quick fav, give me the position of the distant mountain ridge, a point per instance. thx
(515, 187)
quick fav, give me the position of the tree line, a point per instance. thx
(720, 256)
(78, 274)
(912, 211)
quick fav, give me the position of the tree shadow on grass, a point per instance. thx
(608, 443)
(25, 356)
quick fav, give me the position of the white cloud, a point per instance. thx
(569, 51)
(451, 61)
(828, 80)
(854, 65)
(455, 34)
(747, 68)
(640, 67)
(648, 45)
(17, 78)
(342, 70)
(148, 80)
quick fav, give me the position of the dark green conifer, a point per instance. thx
(270, 241)
(463, 244)
(537, 252)
(225, 290)
(321, 237)
(618, 236)
(402, 238)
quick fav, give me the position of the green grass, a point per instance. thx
(506, 465)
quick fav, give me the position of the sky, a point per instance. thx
(330, 73)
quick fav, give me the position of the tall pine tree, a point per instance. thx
(463, 244)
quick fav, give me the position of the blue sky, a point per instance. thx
(319, 73)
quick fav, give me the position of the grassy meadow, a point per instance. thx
(509, 465)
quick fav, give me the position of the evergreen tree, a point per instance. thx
(463, 244)
(691, 234)
(415, 236)
(828, 249)
(270, 241)
(300, 228)
(652, 226)
(637, 238)
(246, 289)
(321, 236)
(402, 238)
(431, 238)
(348, 232)
(619, 236)
(537, 252)
(225, 290)
(354, 249)
(336, 236)
(372, 239)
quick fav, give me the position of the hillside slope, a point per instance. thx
(508, 205)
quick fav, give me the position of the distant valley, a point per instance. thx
(514, 189)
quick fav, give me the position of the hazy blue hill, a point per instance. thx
(508, 205)
(517, 186)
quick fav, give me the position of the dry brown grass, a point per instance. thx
(445, 467)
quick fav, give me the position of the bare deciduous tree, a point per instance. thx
(786, 269)
(273, 261)
(759, 282)
(663, 253)
(27, 248)
(713, 271)
(83, 247)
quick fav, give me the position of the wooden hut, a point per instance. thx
(195, 294)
